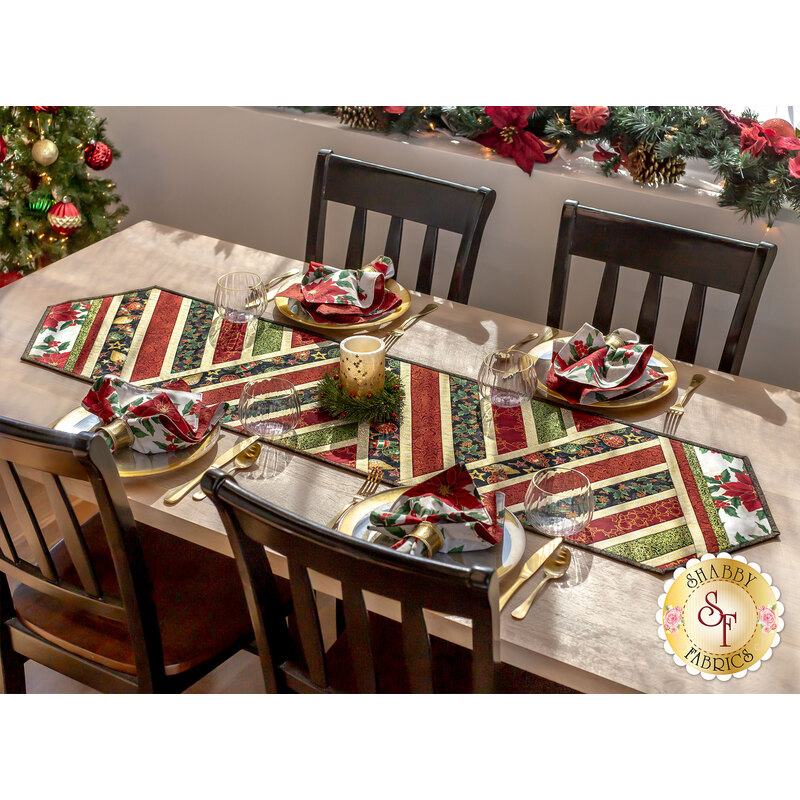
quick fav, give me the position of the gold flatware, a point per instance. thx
(269, 285)
(177, 494)
(392, 338)
(675, 412)
(530, 567)
(244, 460)
(367, 489)
(554, 568)
(545, 336)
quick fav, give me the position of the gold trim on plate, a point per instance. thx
(283, 304)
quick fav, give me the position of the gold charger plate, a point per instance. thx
(354, 523)
(131, 464)
(293, 310)
(542, 356)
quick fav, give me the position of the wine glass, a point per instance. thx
(507, 379)
(559, 501)
(240, 296)
(269, 408)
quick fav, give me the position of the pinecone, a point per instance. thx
(365, 118)
(645, 167)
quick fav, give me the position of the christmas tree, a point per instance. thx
(54, 199)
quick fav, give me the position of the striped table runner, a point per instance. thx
(659, 501)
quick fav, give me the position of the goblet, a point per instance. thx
(269, 408)
(239, 296)
(559, 501)
(506, 378)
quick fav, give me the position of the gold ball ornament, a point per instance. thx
(44, 152)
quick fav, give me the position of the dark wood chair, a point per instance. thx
(703, 259)
(403, 196)
(118, 606)
(373, 653)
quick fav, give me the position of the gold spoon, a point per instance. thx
(244, 460)
(505, 355)
(554, 567)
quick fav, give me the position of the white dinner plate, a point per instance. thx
(356, 520)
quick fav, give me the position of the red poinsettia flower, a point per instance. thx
(743, 488)
(510, 139)
(53, 359)
(753, 139)
(794, 166)
(451, 485)
(394, 109)
(9, 277)
(96, 402)
(59, 314)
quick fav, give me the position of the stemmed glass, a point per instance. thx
(506, 379)
(240, 296)
(559, 501)
(269, 408)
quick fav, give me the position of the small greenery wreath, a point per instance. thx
(383, 406)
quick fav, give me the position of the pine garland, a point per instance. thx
(757, 184)
(384, 406)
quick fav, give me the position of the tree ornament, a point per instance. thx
(3, 149)
(644, 166)
(780, 126)
(45, 109)
(39, 203)
(366, 118)
(64, 218)
(589, 119)
(98, 155)
(44, 152)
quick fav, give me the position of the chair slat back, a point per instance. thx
(437, 204)
(253, 523)
(46, 456)
(665, 251)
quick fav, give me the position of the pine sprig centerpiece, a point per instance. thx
(383, 406)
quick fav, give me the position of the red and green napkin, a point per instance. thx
(166, 419)
(345, 296)
(448, 500)
(587, 369)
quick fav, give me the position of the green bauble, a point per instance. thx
(39, 204)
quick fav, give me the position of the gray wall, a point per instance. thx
(244, 175)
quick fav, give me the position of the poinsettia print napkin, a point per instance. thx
(586, 370)
(346, 296)
(170, 418)
(448, 500)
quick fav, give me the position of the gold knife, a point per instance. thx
(531, 565)
(182, 491)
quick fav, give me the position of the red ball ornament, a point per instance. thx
(780, 126)
(64, 218)
(588, 119)
(98, 155)
(3, 149)
(45, 109)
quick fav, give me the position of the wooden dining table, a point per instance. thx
(596, 631)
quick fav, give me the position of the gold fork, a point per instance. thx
(675, 412)
(546, 335)
(392, 338)
(367, 489)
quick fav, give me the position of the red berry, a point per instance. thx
(369, 395)
(340, 385)
(352, 394)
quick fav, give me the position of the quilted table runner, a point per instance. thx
(659, 500)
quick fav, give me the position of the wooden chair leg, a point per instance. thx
(12, 664)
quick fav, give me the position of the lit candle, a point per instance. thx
(362, 364)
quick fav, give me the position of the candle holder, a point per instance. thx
(362, 365)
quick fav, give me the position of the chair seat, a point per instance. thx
(451, 666)
(197, 594)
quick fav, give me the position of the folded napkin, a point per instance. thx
(345, 296)
(166, 419)
(449, 501)
(588, 370)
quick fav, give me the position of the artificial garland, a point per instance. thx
(757, 165)
(383, 406)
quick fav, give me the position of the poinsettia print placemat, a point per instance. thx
(659, 500)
